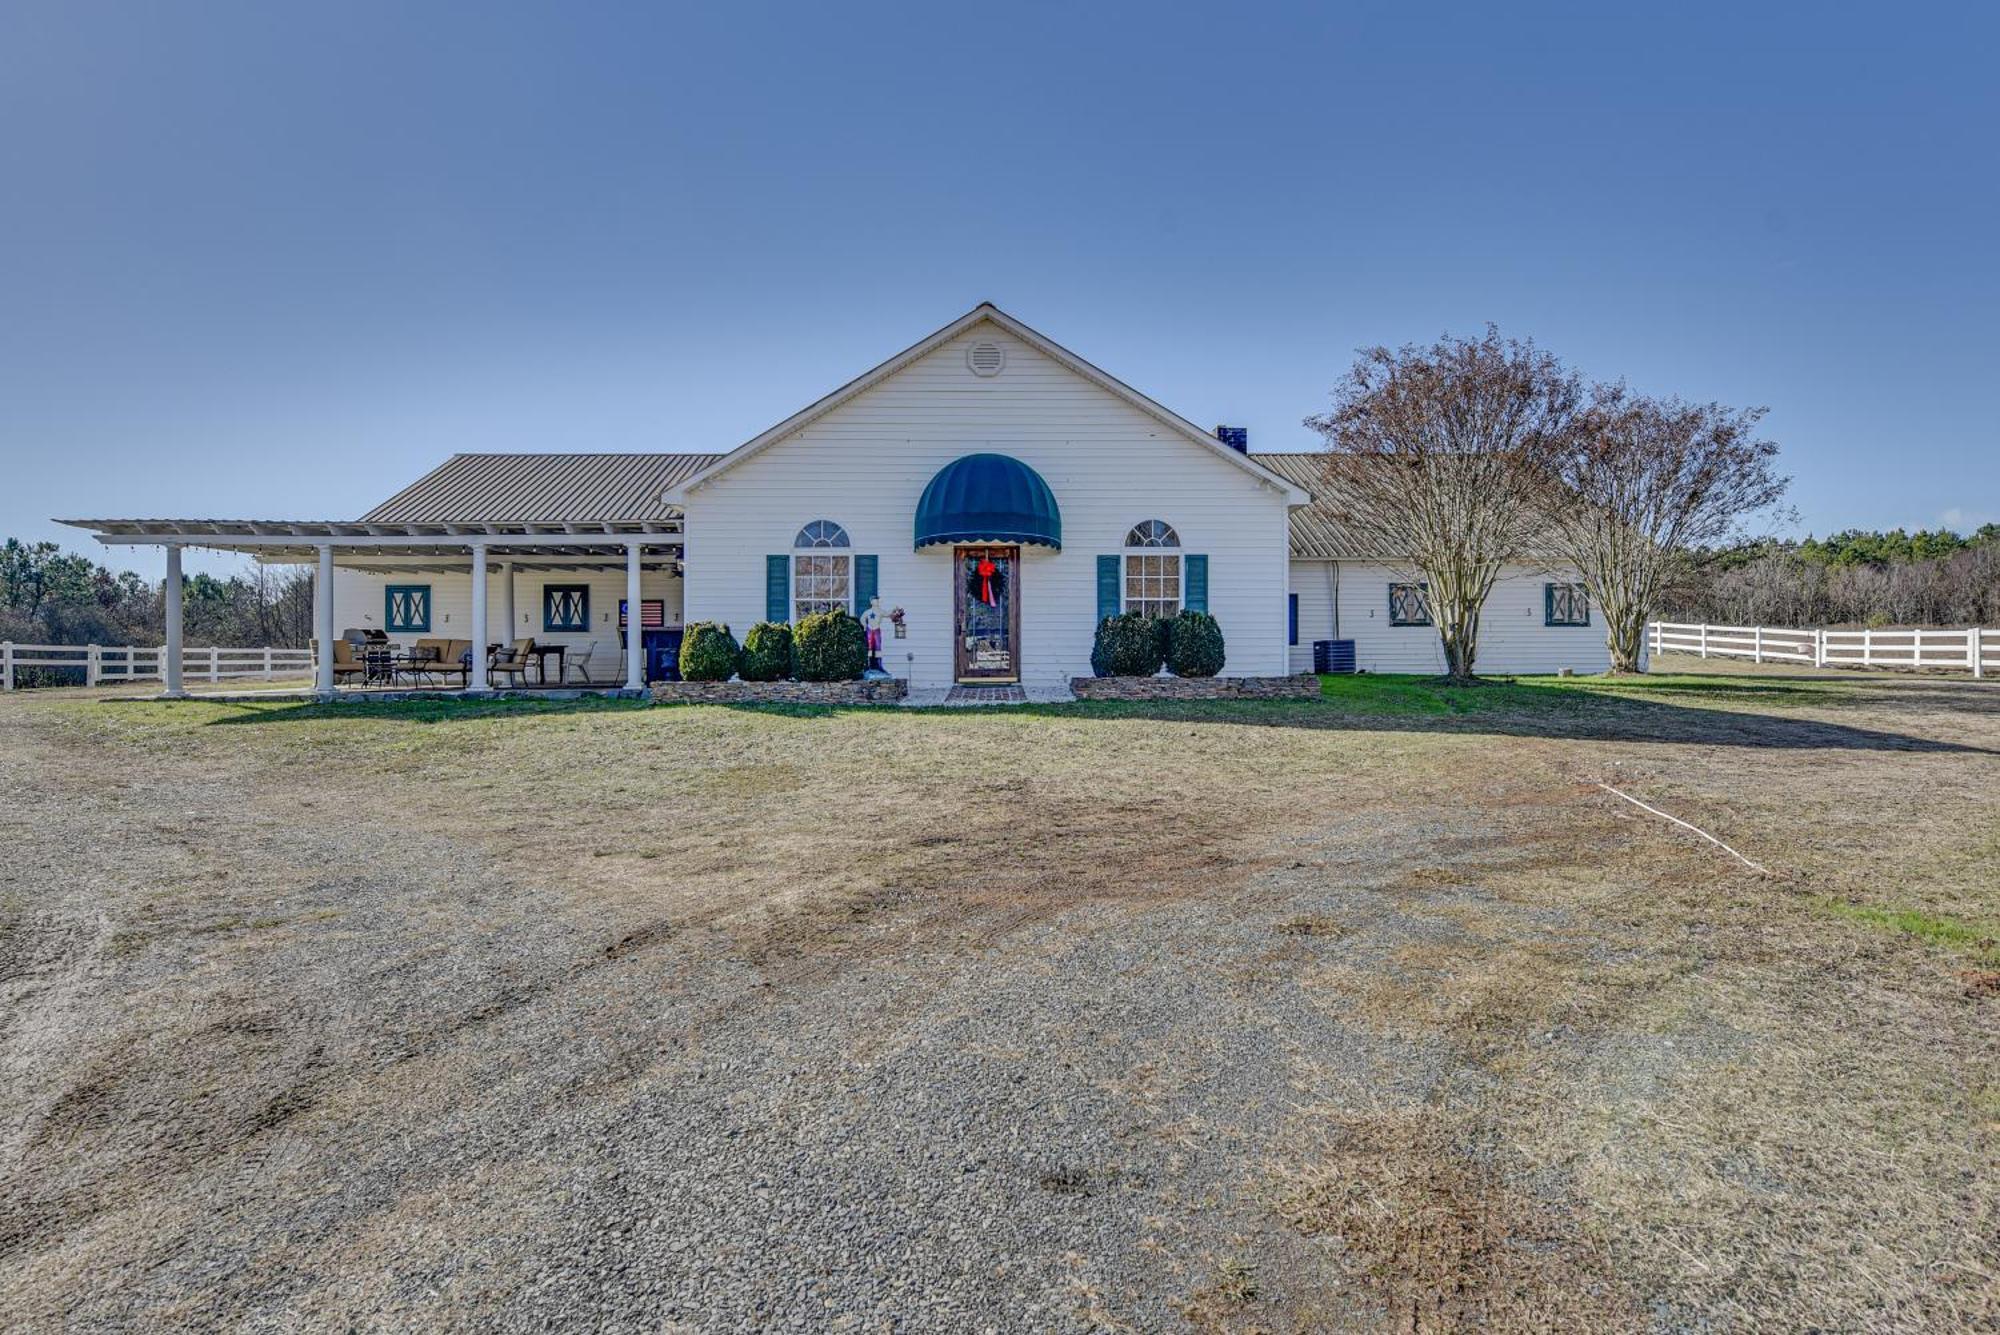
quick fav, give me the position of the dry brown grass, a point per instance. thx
(1421, 1203)
(1658, 1090)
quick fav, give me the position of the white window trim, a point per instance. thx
(845, 574)
(1180, 576)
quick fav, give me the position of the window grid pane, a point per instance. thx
(1153, 584)
(819, 584)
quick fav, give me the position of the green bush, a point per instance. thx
(709, 652)
(829, 646)
(1130, 644)
(767, 652)
(1194, 645)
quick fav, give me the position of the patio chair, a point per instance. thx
(511, 661)
(581, 664)
(347, 665)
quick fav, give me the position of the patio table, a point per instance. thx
(541, 653)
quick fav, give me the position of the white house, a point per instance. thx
(999, 490)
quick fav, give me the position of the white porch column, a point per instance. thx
(507, 624)
(170, 670)
(635, 623)
(322, 622)
(477, 681)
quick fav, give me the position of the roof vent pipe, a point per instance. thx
(1235, 437)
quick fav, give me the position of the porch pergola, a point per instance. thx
(397, 547)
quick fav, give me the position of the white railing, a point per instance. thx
(1972, 649)
(103, 663)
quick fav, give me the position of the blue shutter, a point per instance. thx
(777, 588)
(1292, 618)
(406, 607)
(565, 607)
(1107, 587)
(864, 582)
(1194, 583)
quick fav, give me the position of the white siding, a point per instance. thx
(1512, 636)
(358, 602)
(864, 465)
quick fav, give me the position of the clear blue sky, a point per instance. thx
(274, 261)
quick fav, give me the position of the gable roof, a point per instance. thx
(543, 489)
(987, 312)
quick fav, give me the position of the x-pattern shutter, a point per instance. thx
(409, 607)
(566, 607)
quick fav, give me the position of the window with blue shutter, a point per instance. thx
(406, 608)
(1107, 587)
(1194, 584)
(778, 588)
(1292, 617)
(865, 573)
(1410, 604)
(1565, 605)
(565, 607)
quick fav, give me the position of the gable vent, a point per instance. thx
(986, 357)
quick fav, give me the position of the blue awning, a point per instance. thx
(988, 498)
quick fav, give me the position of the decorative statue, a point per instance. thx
(871, 624)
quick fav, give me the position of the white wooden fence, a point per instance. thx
(1973, 649)
(102, 663)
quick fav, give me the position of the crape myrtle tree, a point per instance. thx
(1638, 485)
(1432, 465)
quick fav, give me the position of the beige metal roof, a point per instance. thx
(542, 489)
(1316, 531)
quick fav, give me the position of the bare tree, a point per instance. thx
(1431, 465)
(1638, 485)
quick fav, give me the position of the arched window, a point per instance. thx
(821, 580)
(821, 533)
(1153, 569)
(1152, 533)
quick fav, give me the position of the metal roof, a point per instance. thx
(1316, 530)
(531, 503)
(543, 489)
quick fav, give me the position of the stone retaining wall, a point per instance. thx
(878, 692)
(1302, 687)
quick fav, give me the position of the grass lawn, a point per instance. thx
(1368, 1012)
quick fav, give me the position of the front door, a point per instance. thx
(988, 646)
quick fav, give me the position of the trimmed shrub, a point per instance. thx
(767, 652)
(829, 646)
(709, 652)
(1194, 645)
(1130, 644)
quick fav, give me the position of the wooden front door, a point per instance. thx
(988, 602)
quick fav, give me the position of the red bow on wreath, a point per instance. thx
(986, 570)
